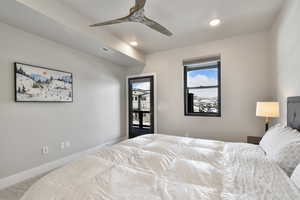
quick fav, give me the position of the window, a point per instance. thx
(202, 89)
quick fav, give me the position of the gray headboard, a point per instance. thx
(293, 112)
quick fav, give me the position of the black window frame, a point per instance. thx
(202, 114)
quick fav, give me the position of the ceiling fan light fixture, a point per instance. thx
(105, 49)
(134, 43)
(215, 22)
(137, 14)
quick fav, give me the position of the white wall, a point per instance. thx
(96, 116)
(245, 80)
(286, 52)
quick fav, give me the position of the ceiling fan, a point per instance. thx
(137, 14)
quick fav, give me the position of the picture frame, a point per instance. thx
(40, 84)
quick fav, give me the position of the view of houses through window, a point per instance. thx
(141, 103)
(202, 88)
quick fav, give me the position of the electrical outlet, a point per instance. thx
(45, 150)
(68, 144)
(62, 145)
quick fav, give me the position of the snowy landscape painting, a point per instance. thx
(38, 84)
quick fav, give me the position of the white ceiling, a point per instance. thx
(188, 19)
(52, 20)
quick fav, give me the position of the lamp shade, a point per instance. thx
(267, 109)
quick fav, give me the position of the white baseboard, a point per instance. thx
(19, 177)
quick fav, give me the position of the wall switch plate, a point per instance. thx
(62, 145)
(45, 150)
(68, 144)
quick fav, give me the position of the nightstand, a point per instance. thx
(253, 139)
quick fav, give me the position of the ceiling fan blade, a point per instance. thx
(110, 22)
(140, 3)
(156, 26)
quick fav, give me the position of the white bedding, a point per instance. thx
(157, 167)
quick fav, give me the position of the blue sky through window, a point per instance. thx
(141, 85)
(202, 77)
(210, 73)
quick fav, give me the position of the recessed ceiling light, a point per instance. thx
(215, 22)
(134, 43)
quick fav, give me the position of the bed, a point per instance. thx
(154, 167)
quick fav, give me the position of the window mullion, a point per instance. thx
(203, 87)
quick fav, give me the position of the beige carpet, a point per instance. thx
(15, 192)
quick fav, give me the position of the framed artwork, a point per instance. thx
(40, 84)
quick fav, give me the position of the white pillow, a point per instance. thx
(282, 145)
(288, 157)
(272, 138)
(296, 176)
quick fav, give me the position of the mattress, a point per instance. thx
(156, 167)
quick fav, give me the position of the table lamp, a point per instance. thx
(267, 110)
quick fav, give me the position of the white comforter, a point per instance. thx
(155, 167)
